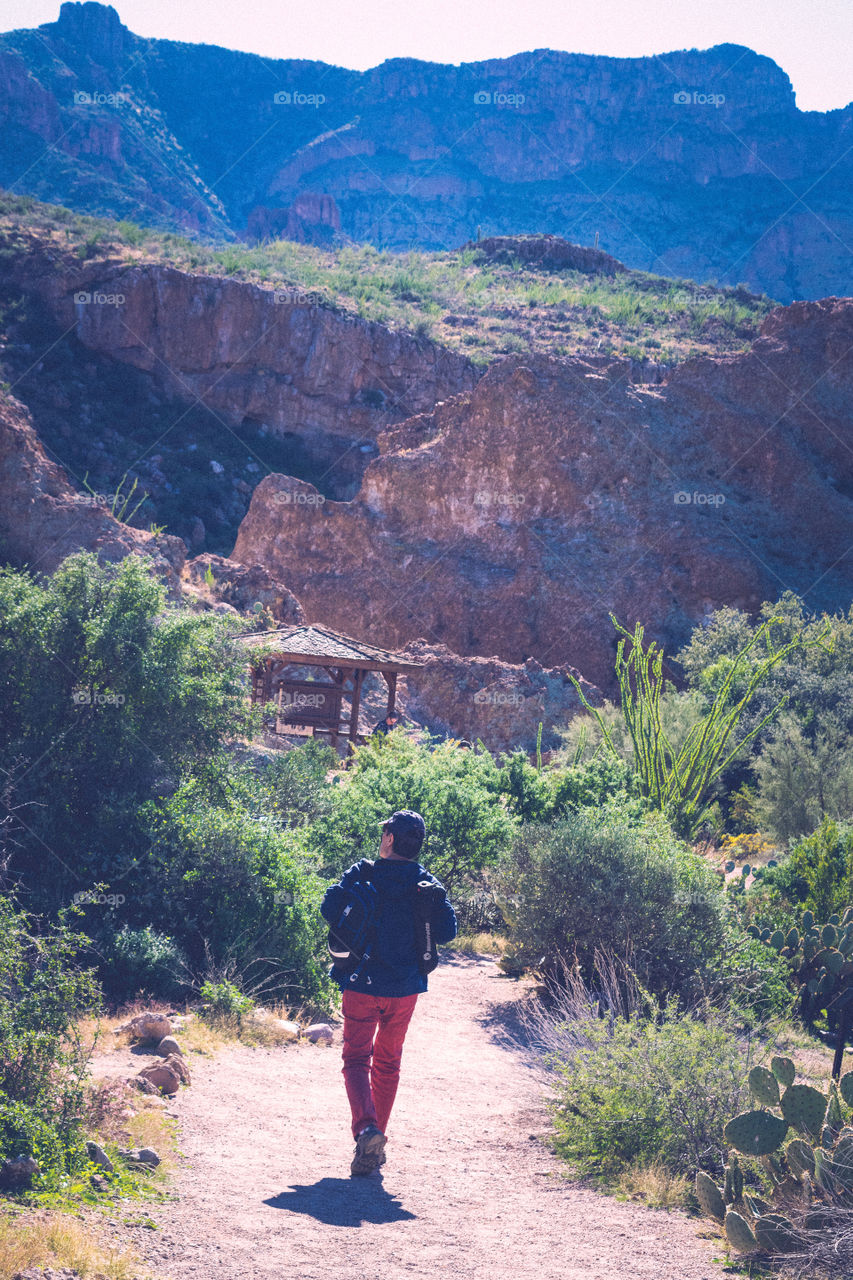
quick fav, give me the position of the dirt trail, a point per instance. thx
(264, 1189)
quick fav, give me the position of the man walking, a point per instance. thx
(380, 993)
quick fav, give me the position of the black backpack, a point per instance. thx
(352, 934)
(429, 898)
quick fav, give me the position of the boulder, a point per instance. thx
(169, 1045)
(143, 1085)
(288, 1030)
(162, 1076)
(176, 1063)
(17, 1173)
(98, 1155)
(142, 1155)
(147, 1027)
(320, 1033)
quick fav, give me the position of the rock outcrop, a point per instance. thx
(513, 519)
(549, 253)
(500, 702)
(683, 163)
(272, 360)
(43, 518)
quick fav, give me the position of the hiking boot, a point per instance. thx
(369, 1152)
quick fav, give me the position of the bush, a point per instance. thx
(42, 990)
(457, 792)
(636, 1084)
(112, 695)
(818, 875)
(235, 889)
(590, 881)
(224, 1000)
(536, 795)
(645, 1091)
(136, 962)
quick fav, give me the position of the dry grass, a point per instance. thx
(480, 943)
(655, 1185)
(43, 1238)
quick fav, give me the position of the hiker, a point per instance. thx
(386, 920)
(385, 725)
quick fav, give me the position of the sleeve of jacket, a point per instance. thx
(444, 925)
(335, 894)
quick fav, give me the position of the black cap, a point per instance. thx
(405, 821)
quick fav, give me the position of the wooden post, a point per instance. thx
(391, 681)
(845, 1018)
(357, 677)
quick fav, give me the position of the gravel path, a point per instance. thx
(468, 1191)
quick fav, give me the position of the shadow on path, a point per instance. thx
(342, 1202)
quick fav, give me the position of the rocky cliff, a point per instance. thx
(694, 163)
(196, 385)
(512, 519)
(43, 518)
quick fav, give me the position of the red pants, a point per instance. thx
(371, 1089)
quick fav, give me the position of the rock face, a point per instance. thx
(514, 518)
(272, 359)
(243, 587)
(684, 163)
(551, 253)
(502, 703)
(43, 518)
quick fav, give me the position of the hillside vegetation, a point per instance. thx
(484, 309)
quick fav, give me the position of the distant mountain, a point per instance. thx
(695, 164)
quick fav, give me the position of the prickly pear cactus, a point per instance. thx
(710, 1198)
(756, 1133)
(784, 1070)
(807, 1179)
(764, 1087)
(804, 1109)
(739, 1233)
(777, 1234)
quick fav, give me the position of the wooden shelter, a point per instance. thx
(282, 674)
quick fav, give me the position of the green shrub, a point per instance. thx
(42, 990)
(224, 1000)
(750, 979)
(457, 792)
(233, 888)
(646, 1091)
(137, 962)
(112, 696)
(590, 881)
(818, 874)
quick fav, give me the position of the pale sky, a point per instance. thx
(812, 40)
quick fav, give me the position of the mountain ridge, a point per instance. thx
(749, 188)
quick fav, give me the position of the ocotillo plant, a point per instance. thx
(680, 782)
